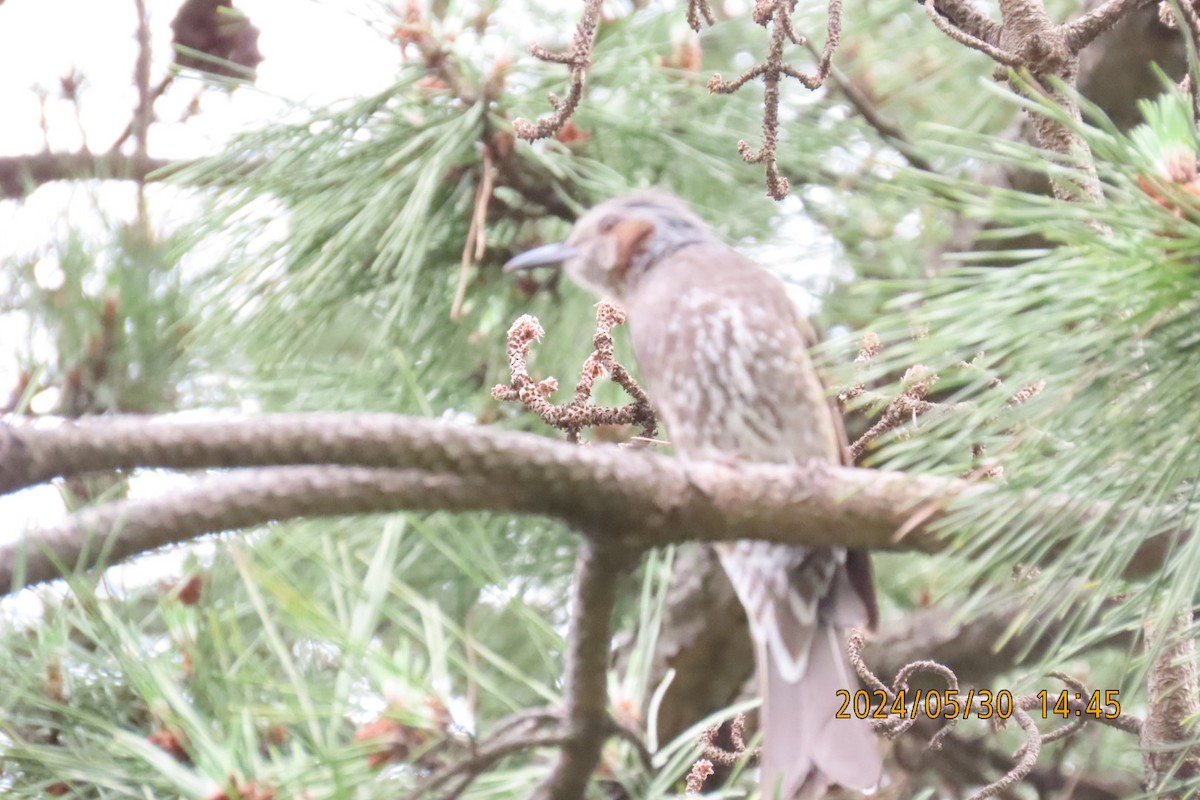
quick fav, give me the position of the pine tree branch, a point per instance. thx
(644, 498)
(110, 533)
(587, 725)
(984, 46)
(576, 59)
(636, 498)
(158, 92)
(1046, 54)
(464, 772)
(1170, 756)
(777, 14)
(969, 19)
(1083, 31)
(19, 175)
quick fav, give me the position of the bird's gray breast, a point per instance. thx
(725, 363)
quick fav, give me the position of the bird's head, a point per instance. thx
(615, 244)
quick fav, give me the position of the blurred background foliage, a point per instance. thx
(320, 270)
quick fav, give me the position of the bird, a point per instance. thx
(723, 355)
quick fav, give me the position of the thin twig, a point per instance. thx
(577, 59)
(484, 756)
(1187, 10)
(969, 40)
(530, 717)
(476, 241)
(888, 130)
(771, 70)
(635, 740)
(1041, 53)
(158, 92)
(906, 407)
(1026, 757)
(698, 9)
(713, 753)
(145, 108)
(912, 402)
(737, 737)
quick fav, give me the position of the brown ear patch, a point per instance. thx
(629, 234)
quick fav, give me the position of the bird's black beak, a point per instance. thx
(548, 255)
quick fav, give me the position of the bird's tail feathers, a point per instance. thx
(805, 747)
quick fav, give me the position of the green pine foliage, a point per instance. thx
(116, 317)
(322, 276)
(1103, 457)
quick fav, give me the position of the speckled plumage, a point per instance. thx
(723, 355)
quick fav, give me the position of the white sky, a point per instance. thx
(314, 52)
(307, 46)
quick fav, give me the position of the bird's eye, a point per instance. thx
(608, 223)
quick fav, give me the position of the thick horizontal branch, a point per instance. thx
(645, 498)
(113, 532)
(19, 175)
(620, 495)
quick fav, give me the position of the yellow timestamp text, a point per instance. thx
(1067, 704)
(934, 704)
